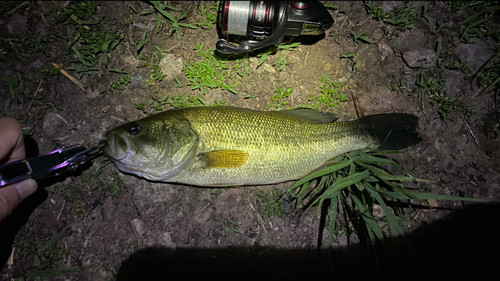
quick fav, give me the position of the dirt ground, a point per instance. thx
(161, 229)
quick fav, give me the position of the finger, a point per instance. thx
(11, 136)
(12, 195)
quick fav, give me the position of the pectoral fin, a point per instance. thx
(224, 159)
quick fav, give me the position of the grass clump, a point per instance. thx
(174, 22)
(354, 188)
(26, 46)
(478, 24)
(44, 258)
(92, 45)
(176, 101)
(281, 94)
(330, 96)
(229, 227)
(270, 205)
(209, 17)
(112, 186)
(210, 72)
(403, 19)
(287, 46)
(433, 86)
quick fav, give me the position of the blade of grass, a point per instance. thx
(333, 217)
(428, 195)
(322, 172)
(368, 218)
(391, 218)
(340, 184)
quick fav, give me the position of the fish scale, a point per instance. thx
(225, 146)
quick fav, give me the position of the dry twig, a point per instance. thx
(73, 79)
(258, 216)
(357, 106)
(59, 5)
(470, 130)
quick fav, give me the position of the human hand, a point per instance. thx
(12, 149)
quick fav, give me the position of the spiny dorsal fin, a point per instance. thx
(225, 159)
(312, 115)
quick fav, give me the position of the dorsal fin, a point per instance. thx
(311, 115)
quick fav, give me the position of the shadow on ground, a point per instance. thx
(462, 246)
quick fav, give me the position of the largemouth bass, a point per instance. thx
(228, 146)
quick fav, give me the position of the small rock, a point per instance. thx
(387, 6)
(165, 239)
(17, 24)
(368, 57)
(411, 39)
(453, 81)
(138, 79)
(68, 241)
(171, 65)
(475, 55)
(385, 50)
(421, 58)
(39, 61)
(53, 124)
(377, 34)
(138, 229)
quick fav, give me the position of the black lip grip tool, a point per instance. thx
(55, 163)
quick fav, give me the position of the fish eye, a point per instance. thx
(134, 129)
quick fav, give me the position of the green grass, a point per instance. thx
(7, 6)
(89, 45)
(44, 256)
(330, 97)
(13, 83)
(354, 187)
(118, 84)
(160, 9)
(478, 24)
(28, 45)
(286, 46)
(209, 17)
(351, 58)
(76, 204)
(112, 185)
(211, 72)
(281, 63)
(403, 19)
(432, 85)
(83, 11)
(270, 205)
(361, 37)
(176, 101)
(280, 99)
(49, 71)
(229, 227)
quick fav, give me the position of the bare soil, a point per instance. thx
(161, 230)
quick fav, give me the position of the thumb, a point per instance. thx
(12, 195)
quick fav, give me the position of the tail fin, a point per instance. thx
(395, 130)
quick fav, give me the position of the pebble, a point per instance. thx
(420, 58)
(475, 55)
(171, 65)
(54, 123)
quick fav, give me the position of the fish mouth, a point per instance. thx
(119, 147)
